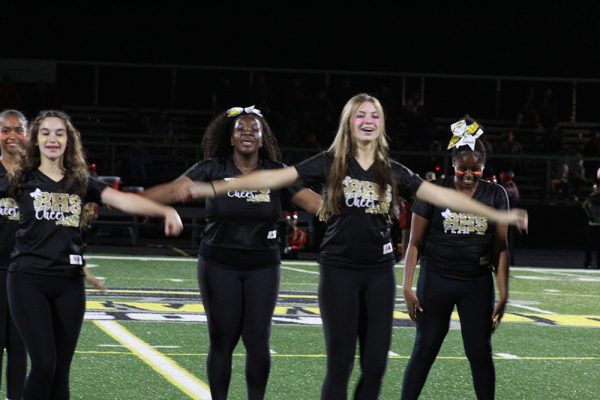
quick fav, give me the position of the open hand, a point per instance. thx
(412, 304)
(94, 281)
(519, 218)
(498, 314)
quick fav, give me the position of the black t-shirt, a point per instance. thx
(458, 245)
(241, 226)
(9, 221)
(360, 236)
(49, 241)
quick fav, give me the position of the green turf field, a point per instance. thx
(147, 339)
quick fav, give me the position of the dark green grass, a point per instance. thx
(552, 363)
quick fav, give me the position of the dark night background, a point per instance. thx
(553, 38)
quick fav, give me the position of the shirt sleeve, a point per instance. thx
(95, 187)
(314, 170)
(201, 171)
(423, 209)
(289, 191)
(408, 182)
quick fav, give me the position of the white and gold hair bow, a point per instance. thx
(464, 133)
(235, 111)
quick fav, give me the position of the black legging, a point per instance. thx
(474, 300)
(48, 311)
(356, 304)
(10, 339)
(238, 303)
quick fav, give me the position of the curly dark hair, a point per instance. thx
(216, 139)
(479, 151)
(74, 166)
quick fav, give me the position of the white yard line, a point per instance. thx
(304, 263)
(557, 270)
(534, 309)
(507, 356)
(136, 258)
(300, 270)
(571, 278)
(169, 369)
(313, 263)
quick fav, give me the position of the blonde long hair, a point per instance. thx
(344, 148)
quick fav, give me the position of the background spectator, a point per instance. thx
(591, 148)
(592, 209)
(511, 147)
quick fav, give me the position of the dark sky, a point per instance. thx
(552, 38)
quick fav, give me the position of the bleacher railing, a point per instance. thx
(198, 87)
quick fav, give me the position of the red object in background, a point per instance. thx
(297, 239)
(112, 181)
(405, 214)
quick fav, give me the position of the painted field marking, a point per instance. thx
(301, 263)
(294, 315)
(313, 263)
(169, 369)
(572, 278)
(137, 258)
(508, 356)
(556, 294)
(556, 270)
(497, 356)
(392, 355)
(300, 270)
(535, 309)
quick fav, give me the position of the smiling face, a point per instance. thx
(12, 133)
(365, 125)
(52, 138)
(468, 169)
(247, 135)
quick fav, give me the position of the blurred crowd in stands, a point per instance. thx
(303, 112)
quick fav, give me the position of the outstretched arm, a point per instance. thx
(166, 193)
(138, 205)
(418, 228)
(266, 178)
(456, 201)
